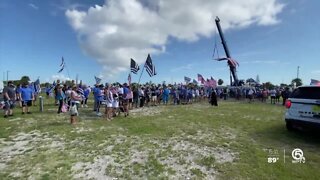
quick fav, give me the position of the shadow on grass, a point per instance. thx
(279, 134)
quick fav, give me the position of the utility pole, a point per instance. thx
(8, 76)
(298, 72)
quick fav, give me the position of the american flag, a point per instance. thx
(213, 83)
(151, 69)
(314, 82)
(134, 66)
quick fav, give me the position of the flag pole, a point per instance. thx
(141, 75)
(65, 65)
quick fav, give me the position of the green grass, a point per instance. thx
(189, 137)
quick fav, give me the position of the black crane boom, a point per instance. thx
(232, 66)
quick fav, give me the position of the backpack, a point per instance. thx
(64, 108)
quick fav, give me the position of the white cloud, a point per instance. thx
(61, 77)
(260, 62)
(124, 29)
(181, 68)
(33, 6)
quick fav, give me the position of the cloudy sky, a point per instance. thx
(269, 38)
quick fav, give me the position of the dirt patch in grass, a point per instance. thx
(178, 157)
(147, 111)
(17, 147)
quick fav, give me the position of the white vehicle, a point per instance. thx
(303, 107)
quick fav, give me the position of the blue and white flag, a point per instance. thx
(195, 82)
(37, 85)
(187, 79)
(151, 69)
(98, 80)
(52, 86)
(62, 65)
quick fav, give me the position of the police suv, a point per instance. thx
(303, 107)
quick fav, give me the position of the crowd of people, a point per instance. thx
(110, 100)
(24, 95)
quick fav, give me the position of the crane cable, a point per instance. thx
(215, 45)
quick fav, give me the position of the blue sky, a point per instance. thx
(34, 35)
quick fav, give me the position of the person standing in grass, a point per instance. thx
(264, 95)
(9, 97)
(141, 96)
(213, 98)
(273, 93)
(109, 102)
(125, 101)
(250, 95)
(60, 98)
(98, 95)
(285, 95)
(130, 97)
(278, 94)
(165, 96)
(135, 93)
(18, 97)
(75, 102)
(27, 97)
(86, 94)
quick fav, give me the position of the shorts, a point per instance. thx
(154, 98)
(27, 103)
(9, 105)
(115, 104)
(109, 104)
(125, 102)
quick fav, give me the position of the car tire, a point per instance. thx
(289, 126)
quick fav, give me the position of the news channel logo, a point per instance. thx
(274, 156)
(297, 155)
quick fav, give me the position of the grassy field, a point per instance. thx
(232, 141)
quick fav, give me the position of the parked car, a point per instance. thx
(303, 108)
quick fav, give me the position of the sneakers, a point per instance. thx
(99, 114)
(5, 116)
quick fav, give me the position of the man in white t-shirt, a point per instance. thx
(250, 94)
(273, 93)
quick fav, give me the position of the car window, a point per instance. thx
(306, 93)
